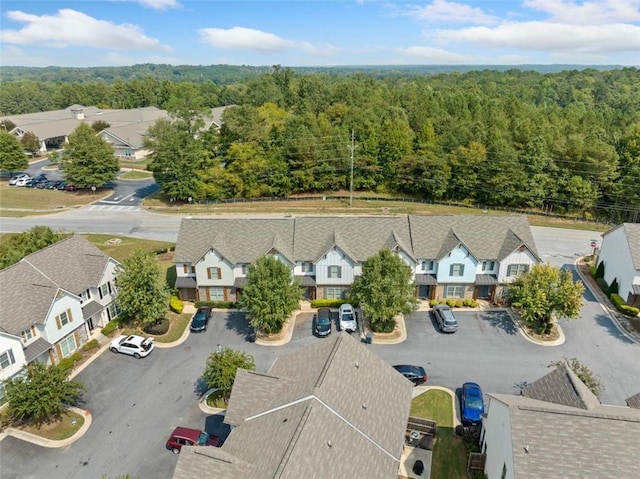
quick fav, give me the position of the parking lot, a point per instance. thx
(136, 403)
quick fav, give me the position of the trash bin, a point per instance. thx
(369, 338)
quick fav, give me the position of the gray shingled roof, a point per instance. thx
(28, 288)
(307, 238)
(562, 386)
(332, 409)
(565, 442)
(634, 401)
(36, 348)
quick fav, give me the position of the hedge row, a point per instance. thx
(455, 302)
(328, 303)
(217, 304)
(176, 304)
(623, 307)
(110, 327)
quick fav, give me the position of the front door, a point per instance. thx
(90, 324)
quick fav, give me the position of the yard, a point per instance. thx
(449, 451)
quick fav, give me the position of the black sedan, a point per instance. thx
(200, 320)
(416, 374)
(322, 323)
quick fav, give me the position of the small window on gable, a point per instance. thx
(426, 265)
(335, 272)
(214, 273)
(456, 269)
(307, 267)
(488, 265)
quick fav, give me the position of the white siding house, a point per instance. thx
(620, 253)
(12, 360)
(496, 436)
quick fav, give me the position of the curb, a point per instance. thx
(202, 404)
(41, 441)
(556, 342)
(288, 335)
(403, 333)
(177, 342)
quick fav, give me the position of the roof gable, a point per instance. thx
(562, 386)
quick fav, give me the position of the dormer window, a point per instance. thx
(307, 267)
(426, 265)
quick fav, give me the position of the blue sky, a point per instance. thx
(319, 33)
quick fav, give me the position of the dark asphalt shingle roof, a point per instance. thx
(561, 386)
(329, 410)
(634, 401)
(565, 442)
(28, 288)
(307, 238)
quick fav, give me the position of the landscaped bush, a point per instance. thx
(68, 362)
(592, 271)
(435, 302)
(110, 327)
(603, 285)
(600, 270)
(176, 304)
(93, 344)
(470, 303)
(459, 303)
(451, 303)
(327, 303)
(613, 287)
(217, 304)
(158, 328)
(623, 307)
(383, 326)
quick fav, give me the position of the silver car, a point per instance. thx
(447, 322)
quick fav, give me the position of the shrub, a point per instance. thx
(327, 303)
(592, 271)
(68, 362)
(176, 304)
(459, 303)
(383, 326)
(110, 327)
(600, 270)
(451, 303)
(434, 302)
(613, 287)
(470, 303)
(623, 307)
(93, 344)
(217, 304)
(603, 285)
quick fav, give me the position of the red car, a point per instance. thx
(185, 436)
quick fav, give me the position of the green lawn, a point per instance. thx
(136, 175)
(66, 427)
(449, 452)
(125, 248)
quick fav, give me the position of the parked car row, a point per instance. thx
(41, 182)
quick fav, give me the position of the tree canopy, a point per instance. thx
(12, 157)
(143, 294)
(384, 289)
(545, 292)
(39, 396)
(221, 367)
(270, 294)
(89, 159)
(15, 246)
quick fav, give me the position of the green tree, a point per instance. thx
(99, 125)
(270, 295)
(12, 157)
(16, 246)
(30, 142)
(545, 292)
(221, 367)
(39, 397)
(89, 160)
(142, 292)
(384, 289)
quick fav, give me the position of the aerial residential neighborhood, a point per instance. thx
(319, 240)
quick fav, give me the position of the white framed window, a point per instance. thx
(245, 268)
(7, 359)
(104, 290)
(114, 310)
(426, 265)
(488, 265)
(27, 335)
(517, 269)
(85, 295)
(64, 318)
(216, 294)
(454, 291)
(307, 267)
(335, 293)
(68, 345)
(456, 269)
(335, 272)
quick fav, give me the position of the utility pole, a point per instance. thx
(353, 147)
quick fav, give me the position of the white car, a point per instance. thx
(347, 318)
(133, 345)
(23, 181)
(22, 176)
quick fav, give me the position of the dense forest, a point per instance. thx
(562, 142)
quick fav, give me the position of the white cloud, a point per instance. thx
(249, 39)
(72, 28)
(440, 11)
(550, 37)
(158, 4)
(596, 12)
